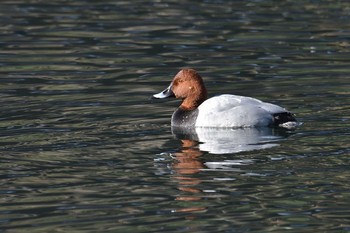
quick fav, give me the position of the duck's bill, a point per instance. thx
(167, 93)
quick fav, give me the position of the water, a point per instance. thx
(84, 149)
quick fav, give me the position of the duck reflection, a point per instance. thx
(197, 141)
(228, 140)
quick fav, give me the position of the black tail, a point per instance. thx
(283, 117)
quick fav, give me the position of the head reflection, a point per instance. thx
(188, 163)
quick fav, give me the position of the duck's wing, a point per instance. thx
(236, 111)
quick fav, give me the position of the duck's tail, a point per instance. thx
(285, 120)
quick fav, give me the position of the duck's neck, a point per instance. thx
(192, 102)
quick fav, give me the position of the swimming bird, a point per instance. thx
(225, 110)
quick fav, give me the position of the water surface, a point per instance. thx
(84, 149)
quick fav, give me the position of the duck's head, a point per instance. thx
(187, 85)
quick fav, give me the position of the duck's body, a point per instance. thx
(220, 111)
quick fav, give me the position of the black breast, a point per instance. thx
(184, 118)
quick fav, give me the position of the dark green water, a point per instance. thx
(84, 149)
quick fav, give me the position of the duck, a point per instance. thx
(220, 111)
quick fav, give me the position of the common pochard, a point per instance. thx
(220, 111)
